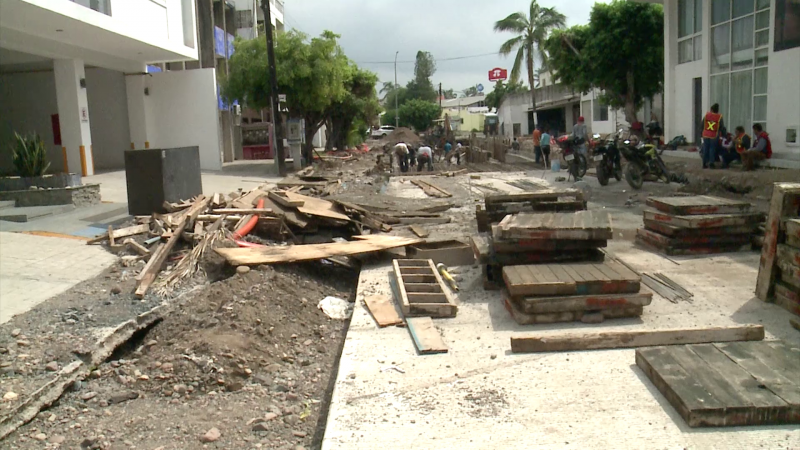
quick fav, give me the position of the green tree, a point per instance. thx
(356, 108)
(471, 91)
(419, 114)
(620, 51)
(311, 73)
(531, 32)
(449, 93)
(502, 90)
(421, 87)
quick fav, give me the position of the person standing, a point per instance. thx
(401, 150)
(425, 157)
(762, 149)
(448, 147)
(515, 146)
(712, 130)
(580, 134)
(545, 143)
(537, 144)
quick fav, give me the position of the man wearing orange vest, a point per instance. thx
(762, 149)
(712, 130)
(741, 143)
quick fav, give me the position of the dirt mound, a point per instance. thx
(402, 134)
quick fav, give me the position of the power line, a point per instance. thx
(436, 60)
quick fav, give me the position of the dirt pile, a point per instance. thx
(250, 355)
(402, 134)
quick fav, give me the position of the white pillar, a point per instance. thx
(73, 116)
(135, 86)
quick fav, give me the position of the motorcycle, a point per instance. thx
(607, 157)
(575, 160)
(644, 161)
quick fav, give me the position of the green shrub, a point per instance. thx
(30, 155)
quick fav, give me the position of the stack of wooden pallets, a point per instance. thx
(591, 293)
(697, 225)
(497, 207)
(779, 270)
(541, 238)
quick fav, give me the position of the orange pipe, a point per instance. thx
(249, 225)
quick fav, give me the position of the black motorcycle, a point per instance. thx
(644, 163)
(606, 156)
(576, 161)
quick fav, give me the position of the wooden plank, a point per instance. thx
(697, 204)
(775, 369)
(792, 228)
(255, 211)
(137, 247)
(632, 339)
(121, 233)
(577, 225)
(693, 251)
(317, 207)
(431, 189)
(693, 241)
(440, 304)
(248, 200)
(523, 318)
(542, 305)
(788, 254)
(426, 338)
(545, 194)
(281, 199)
(382, 310)
(789, 273)
(573, 279)
(782, 193)
(160, 256)
(290, 215)
(424, 220)
(530, 245)
(419, 231)
(704, 220)
(294, 253)
(677, 232)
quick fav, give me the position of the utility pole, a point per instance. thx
(440, 95)
(396, 116)
(273, 98)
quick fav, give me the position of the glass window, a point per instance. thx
(685, 52)
(719, 92)
(600, 111)
(762, 20)
(759, 108)
(741, 98)
(761, 4)
(742, 7)
(698, 16)
(742, 37)
(720, 48)
(762, 38)
(762, 57)
(720, 11)
(698, 48)
(760, 85)
(787, 24)
(685, 23)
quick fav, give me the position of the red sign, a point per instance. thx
(497, 74)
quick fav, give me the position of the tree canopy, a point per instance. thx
(530, 31)
(501, 90)
(419, 114)
(620, 51)
(319, 81)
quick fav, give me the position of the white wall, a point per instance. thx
(514, 109)
(108, 109)
(27, 100)
(181, 111)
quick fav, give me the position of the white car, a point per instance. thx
(382, 131)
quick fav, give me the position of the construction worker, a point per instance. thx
(762, 149)
(580, 134)
(712, 130)
(545, 141)
(424, 156)
(741, 143)
(537, 143)
(401, 150)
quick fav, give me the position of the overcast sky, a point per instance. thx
(373, 30)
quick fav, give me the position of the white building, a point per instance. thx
(249, 15)
(742, 54)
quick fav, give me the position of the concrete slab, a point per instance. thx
(28, 213)
(35, 268)
(480, 396)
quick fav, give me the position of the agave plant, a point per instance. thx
(30, 155)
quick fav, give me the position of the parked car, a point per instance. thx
(382, 131)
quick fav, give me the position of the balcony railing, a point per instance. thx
(101, 6)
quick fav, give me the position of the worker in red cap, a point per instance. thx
(579, 132)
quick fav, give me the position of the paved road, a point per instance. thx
(35, 268)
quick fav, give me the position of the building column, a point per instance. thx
(135, 86)
(73, 116)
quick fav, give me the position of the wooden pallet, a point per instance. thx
(587, 302)
(537, 196)
(792, 227)
(677, 232)
(785, 204)
(789, 273)
(596, 316)
(577, 225)
(704, 220)
(610, 277)
(727, 384)
(693, 241)
(482, 246)
(692, 251)
(487, 217)
(789, 254)
(421, 290)
(697, 204)
(787, 297)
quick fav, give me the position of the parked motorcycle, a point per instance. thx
(607, 158)
(576, 161)
(644, 162)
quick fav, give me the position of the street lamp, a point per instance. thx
(396, 117)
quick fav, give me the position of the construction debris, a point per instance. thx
(420, 289)
(431, 189)
(665, 287)
(497, 207)
(697, 225)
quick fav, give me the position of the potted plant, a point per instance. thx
(29, 155)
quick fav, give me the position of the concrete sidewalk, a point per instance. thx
(481, 396)
(35, 268)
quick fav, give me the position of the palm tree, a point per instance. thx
(531, 32)
(387, 88)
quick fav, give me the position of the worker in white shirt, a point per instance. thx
(401, 150)
(425, 156)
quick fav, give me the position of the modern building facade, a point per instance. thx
(742, 54)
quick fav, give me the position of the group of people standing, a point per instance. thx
(541, 145)
(718, 144)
